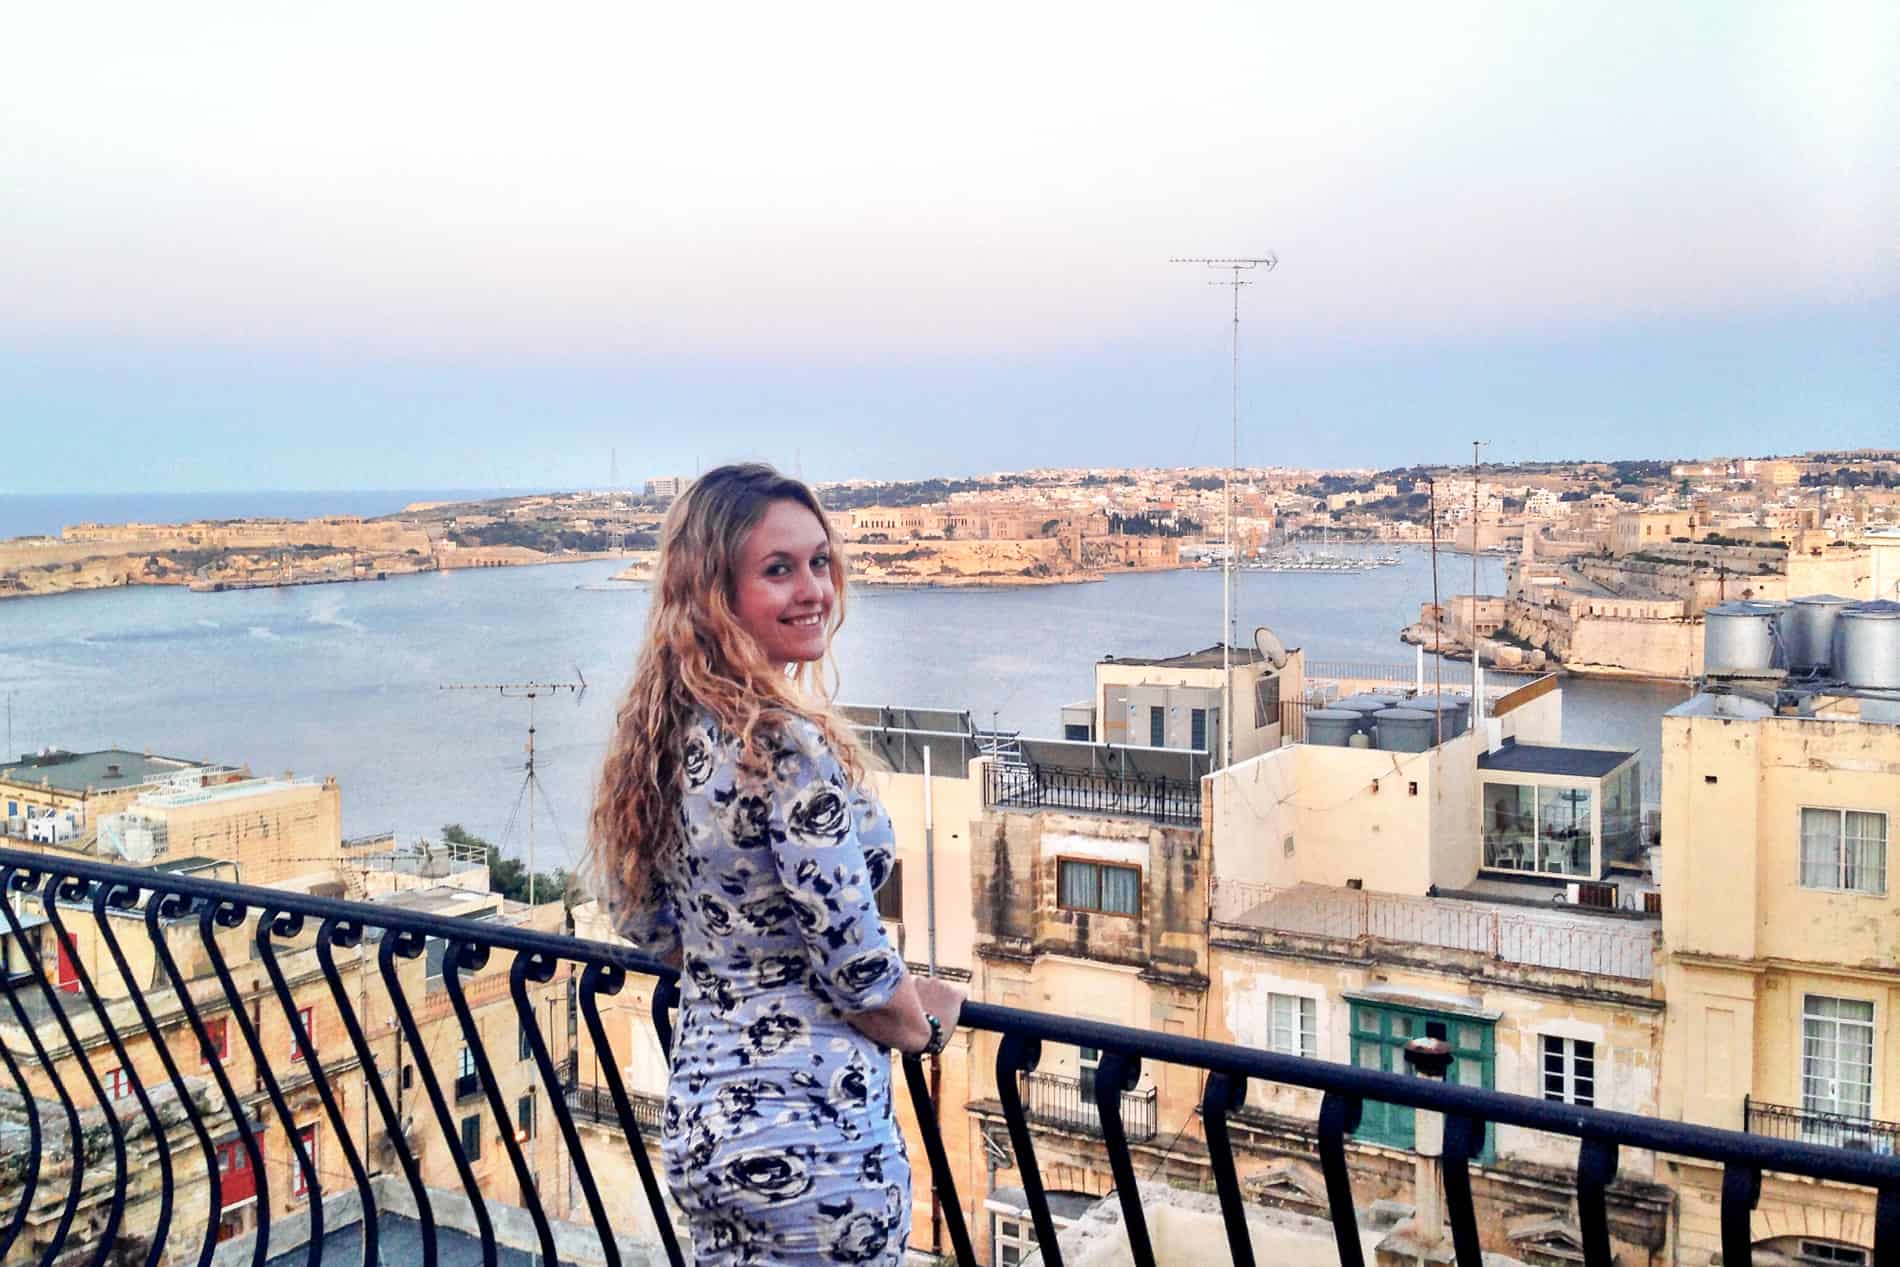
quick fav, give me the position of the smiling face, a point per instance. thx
(783, 592)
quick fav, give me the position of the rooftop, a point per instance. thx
(1576, 763)
(88, 771)
(1206, 658)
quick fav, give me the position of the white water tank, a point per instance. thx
(1739, 638)
(1867, 646)
(1807, 631)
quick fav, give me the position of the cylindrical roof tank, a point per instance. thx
(1331, 727)
(1867, 645)
(1367, 702)
(1454, 709)
(1738, 637)
(1807, 631)
(1404, 730)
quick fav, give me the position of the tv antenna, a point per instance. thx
(531, 781)
(1237, 265)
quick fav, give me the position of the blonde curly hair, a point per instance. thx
(697, 658)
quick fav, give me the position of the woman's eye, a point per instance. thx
(821, 561)
(776, 569)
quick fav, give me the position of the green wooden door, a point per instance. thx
(1379, 1034)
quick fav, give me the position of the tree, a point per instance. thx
(509, 876)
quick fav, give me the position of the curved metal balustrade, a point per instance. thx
(151, 904)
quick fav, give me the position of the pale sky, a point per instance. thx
(427, 244)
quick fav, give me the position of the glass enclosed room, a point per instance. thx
(1563, 812)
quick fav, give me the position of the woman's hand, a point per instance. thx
(942, 1000)
(900, 1023)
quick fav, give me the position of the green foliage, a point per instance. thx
(509, 876)
(1152, 524)
(547, 536)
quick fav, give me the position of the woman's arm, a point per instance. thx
(900, 1022)
(897, 1023)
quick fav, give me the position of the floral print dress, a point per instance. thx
(778, 1137)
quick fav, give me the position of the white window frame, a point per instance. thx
(1293, 1024)
(1842, 1026)
(1840, 884)
(1088, 1065)
(301, 1179)
(1567, 1089)
(308, 1015)
(1020, 1236)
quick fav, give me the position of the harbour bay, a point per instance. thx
(345, 679)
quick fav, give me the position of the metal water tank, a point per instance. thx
(1738, 637)
(1331, 727)
(1867, 646)
(1404, 730)
(1807, 631)
(1454, 710)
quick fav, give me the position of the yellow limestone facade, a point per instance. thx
(1783, 963)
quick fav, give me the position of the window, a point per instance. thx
(303, 1178)
(118, 1084)
(1088, 1061)
(1844, 849)
(1832, 1253)
(1157, 727)
(472, 1136)
(306, 1017)
(1547, 830)
(524, 1050)
(1379, 1035)
(236, 1180)
(890, 898)
(524, 1117)
(1075, 732)
(1099, 886)
(1197, 729)
(1837, 1056)
(218, 1030)
(465, 1063)
(1570, 1070)
(1010, 1240)
(1290, 1024)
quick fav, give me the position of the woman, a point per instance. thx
(740, 845)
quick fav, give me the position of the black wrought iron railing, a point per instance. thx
(190, 1127)
(1054, 1099)
(1836, 1130)
(1091, 792)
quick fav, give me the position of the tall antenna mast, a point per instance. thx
(1477, 705)
(530, 782)
(1237, 265)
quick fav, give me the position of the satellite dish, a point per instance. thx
(1271, 649)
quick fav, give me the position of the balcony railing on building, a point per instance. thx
(1605, 945)
(158, 1161)
(1054, 1099)
(1092, 792)
(1835, 1130)
(595, 1103)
